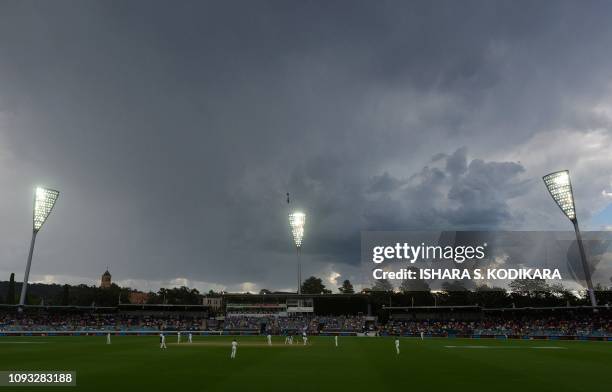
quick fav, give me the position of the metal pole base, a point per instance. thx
(585, 264)
(24, 286)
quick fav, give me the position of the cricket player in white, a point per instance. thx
(422, 335)
(269, 340)
(178, 338)
(304, 338)
(108, 338)
(234, 348)
(162, 341)
(397, 345)
(286, 339)
(336, 340)
(189, 338)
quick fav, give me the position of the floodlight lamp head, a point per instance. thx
(297, 220)
(44, 201)
(560, 188)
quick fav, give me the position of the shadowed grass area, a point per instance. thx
(359, 364)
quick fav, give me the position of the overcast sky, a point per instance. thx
(174, 129)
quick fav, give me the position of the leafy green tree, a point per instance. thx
(456, 293)
(10, 295)
(314, 285)
(455, 285)
(382, 285)
(525, 286)
(32, 299)
(347, 287)
(494, 297)
(176, 296)
(66, 295)
(409, 285)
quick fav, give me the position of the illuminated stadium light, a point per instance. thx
(559, 186)
(43, 204)
(297, 220)
(44, 200)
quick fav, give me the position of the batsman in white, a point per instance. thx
(269, 340)
(108, 338)
(397, 345)
(234, 348)
(189, 338)
(162, 341)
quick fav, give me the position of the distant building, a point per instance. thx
(213, 302)
(138, 297)
(105, 282)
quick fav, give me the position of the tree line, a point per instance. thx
(521, 293)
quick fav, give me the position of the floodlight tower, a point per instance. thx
(44, 201)
(296, 221)
(560, 188)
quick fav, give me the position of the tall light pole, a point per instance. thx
(560, 188)
(296, 221)
(44, 200)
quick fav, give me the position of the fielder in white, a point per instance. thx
(397, 345)
(189, 338)
(162, 341)
(422, 335)
(108, 338)
(269, 340)
(336, 340)
(234, 348)
(304, 338)
(178, 338)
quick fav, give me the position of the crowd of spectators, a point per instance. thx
(93, 322)
(546, 326)
(566, 325)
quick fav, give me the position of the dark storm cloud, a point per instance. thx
(174, 130)
(483, 192)
(456, 164)
(384, 183)
(461, 194)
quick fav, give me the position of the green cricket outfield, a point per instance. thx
(136, 363)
